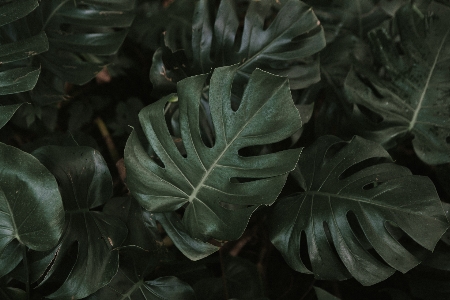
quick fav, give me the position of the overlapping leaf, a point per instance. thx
(6, 113)
(85, 183)
(206, 181)
(286, 47)
(414, 98)
(31, 210)
(131, 280)
(82, 36)
(18, 78)
(343, 180)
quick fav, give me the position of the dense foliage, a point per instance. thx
(229, 149)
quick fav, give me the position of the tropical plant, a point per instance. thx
(232, 149)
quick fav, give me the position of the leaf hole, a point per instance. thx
(406, 241)
(304, 255)
(363, 165)
(329, 237)
(232, 206)
(361, 236)
(371, 185)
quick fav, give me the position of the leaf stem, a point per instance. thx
(27, 271)
(107, 137)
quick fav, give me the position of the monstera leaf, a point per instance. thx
(79, 34)
(206, 182)
(352, 191)
(131, 280)
(85, 183)
(15, 49)
(31, 210)
(414, 99)
(284, 48)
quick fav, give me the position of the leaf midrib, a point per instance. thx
(200, 185)
(427, 83)
(363, 200)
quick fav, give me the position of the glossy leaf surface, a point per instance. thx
(352, 191)
(31, 210)
(81, 35)
(284, 48)
(415, 98)
(85, 183)
(19, 78)
(130, 281)
(192, 248)
(216, 206)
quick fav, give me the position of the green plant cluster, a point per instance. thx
(230, 149)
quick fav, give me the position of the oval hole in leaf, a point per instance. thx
(371, 185)
(231, 206)
(362, 165)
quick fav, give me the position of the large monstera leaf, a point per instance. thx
(31, 210)
(352, 192)
(286, 47)
(85, 183)
(15, 49)
(414, 99)
(206, 182)
(132, 280)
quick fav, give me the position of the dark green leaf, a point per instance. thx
(85, 183)
(356, 178)
(81, 34)
(192, 248)
(6, 113)
(156, 26)
(215, 206)
(15, 10)
(324, 295)
(414, 99)
(31, 210)
(141, 224)
(285, 48)
(130, 282)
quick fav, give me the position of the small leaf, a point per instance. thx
(356, 177)
(216, 206)
(31, 210)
